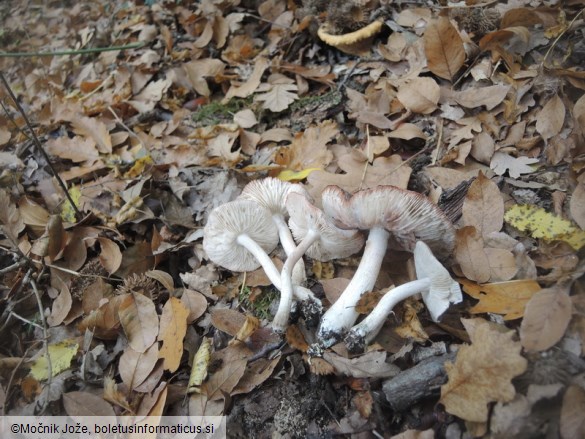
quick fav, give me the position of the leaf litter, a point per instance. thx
(480, 107)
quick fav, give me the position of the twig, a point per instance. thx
(40, 148)
(543, 62)
(13, 267)
(70, 52)
(45, 340)
(22, 319)
(130, 132)
(13, 374)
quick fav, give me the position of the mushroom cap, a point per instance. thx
(333, 242)
(407, 215)
(230, 220)
(443, 290)
(271, 193)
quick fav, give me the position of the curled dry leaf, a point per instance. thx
(443, 48)
(195, 302)
(110, 255)
(139, 320)
(482, 372)
(546, 319)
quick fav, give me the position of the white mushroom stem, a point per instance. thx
(342, 314)
(288, 244)
(270, 269)
(365, 331)
(286, 293)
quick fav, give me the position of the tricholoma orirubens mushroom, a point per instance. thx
(239, 236)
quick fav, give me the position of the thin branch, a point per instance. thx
(70, 52)
(45, 339)
(40, 148)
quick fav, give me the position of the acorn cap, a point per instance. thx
(443, 290)
(407, 215)
(333, 242)
(230, 220)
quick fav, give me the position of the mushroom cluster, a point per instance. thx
(241, 234)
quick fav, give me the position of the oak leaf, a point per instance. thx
(507, 298)
(482, 372)
(279, 97)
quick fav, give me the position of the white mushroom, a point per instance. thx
(271, 193)
(438, 290)
(385, 211)
(239, 235)
(319, 239)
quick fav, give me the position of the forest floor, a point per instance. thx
(151, 114)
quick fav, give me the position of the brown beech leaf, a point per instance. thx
(134, 367)
(470, 254)
(549, 121)
(443, 48)
(86, 404)
(110, 256)
(507, 298)
(482, 371)
(173, 327)
(572, 419)
(483, 206)
(421, 95)
(139, 320)
(546, 319)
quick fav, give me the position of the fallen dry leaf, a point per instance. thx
(234, 359)
(443, 48)
(482, 372)
(546, 318)
(369, 365)
(516, 166)
(421, 95)
(483, 206)
(507, 298)
(572, 420)
(549, 121)
(86, 404)
(173, 327)
(134, 367)
(470, 254)
(139, 320)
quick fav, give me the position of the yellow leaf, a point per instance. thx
(67, 212)
(545, 225)
(138, 167)
(61, 355)
(199, 369)
(288, 175)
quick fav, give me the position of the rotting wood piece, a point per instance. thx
(417, 383)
